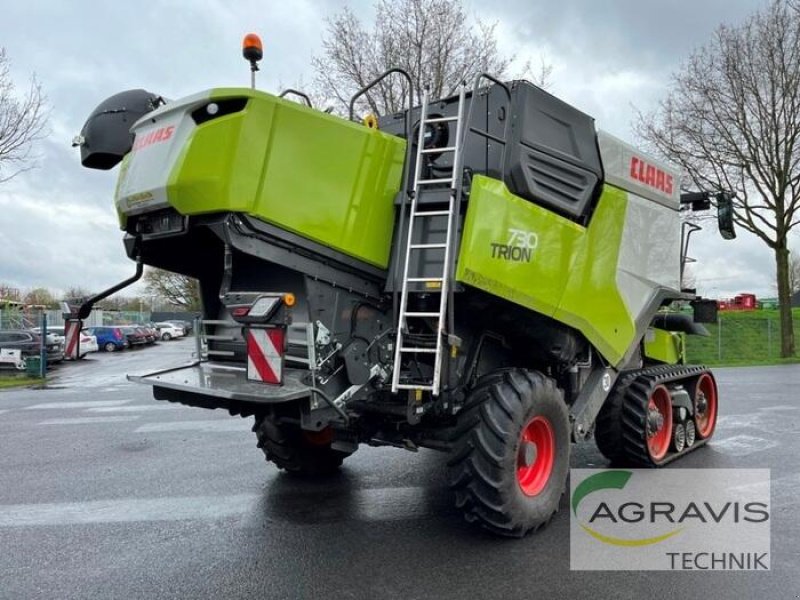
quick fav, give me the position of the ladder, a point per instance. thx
(404, 346)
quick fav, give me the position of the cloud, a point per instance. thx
(57, 223)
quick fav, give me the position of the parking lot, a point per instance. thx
(107, 493)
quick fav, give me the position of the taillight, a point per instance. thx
(241, 311)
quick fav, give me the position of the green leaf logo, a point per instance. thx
(610, 480)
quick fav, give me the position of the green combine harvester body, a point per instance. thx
(379, 284)
(305, 171)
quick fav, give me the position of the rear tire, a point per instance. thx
(109, 346)
(295, 451)
(510, 458)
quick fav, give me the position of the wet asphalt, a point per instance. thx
(106, 493)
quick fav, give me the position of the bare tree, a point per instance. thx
(23, 121)
(434, 40)
(41, 297)
(732, 121)
(77, 294)
(176, 290)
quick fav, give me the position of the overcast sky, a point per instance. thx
(58, 228)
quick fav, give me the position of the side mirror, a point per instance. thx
(725, 215)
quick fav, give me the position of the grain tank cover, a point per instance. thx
(553, 156)
(106, 133)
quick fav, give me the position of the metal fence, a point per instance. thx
(739, 339)
(15, 319)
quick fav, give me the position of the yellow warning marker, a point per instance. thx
(371, 121)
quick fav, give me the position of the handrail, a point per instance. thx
(406, 164)
(375, 82)
(469, 128)
(298, 93)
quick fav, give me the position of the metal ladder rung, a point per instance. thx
(427, 246)
(440, 120)
(438, 150)
(434, 181)
(297, 359)
(441, 284)
(432, 213)
(220, 352)
(221, 338)
(409, 386)
(217, 322)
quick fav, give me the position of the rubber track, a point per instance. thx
(621, 426)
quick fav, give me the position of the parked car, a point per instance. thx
(29, 342)
(135, 336)
(88, 343)
(56, 334)
(185, 325)
(149, 334)
(169, 331)
(108, 338)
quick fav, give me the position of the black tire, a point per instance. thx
(166, 337)
(109, 346)
(289, 449)
(483, 468)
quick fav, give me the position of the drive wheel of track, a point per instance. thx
(705, 405)
(511, 453)
(647, 424)
(296, 451)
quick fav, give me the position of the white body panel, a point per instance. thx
(634, 171)
(159, 139)
(649, 256)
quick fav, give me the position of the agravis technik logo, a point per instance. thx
(715, 519)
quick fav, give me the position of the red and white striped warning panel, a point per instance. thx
(72, 335)
(265, 354)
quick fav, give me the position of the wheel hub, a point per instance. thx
(701, 403)
(527, 454)
(535, 456)
(655, 421)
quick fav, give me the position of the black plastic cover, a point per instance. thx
(553, 158)
(705, 310)
(106, 133)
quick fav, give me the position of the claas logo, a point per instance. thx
(651, 176)
(154, 137)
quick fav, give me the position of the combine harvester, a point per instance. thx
(483, 274)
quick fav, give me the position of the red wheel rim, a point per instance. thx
(705, 390)
(658, 439)
(535, 456)
(322, 437)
